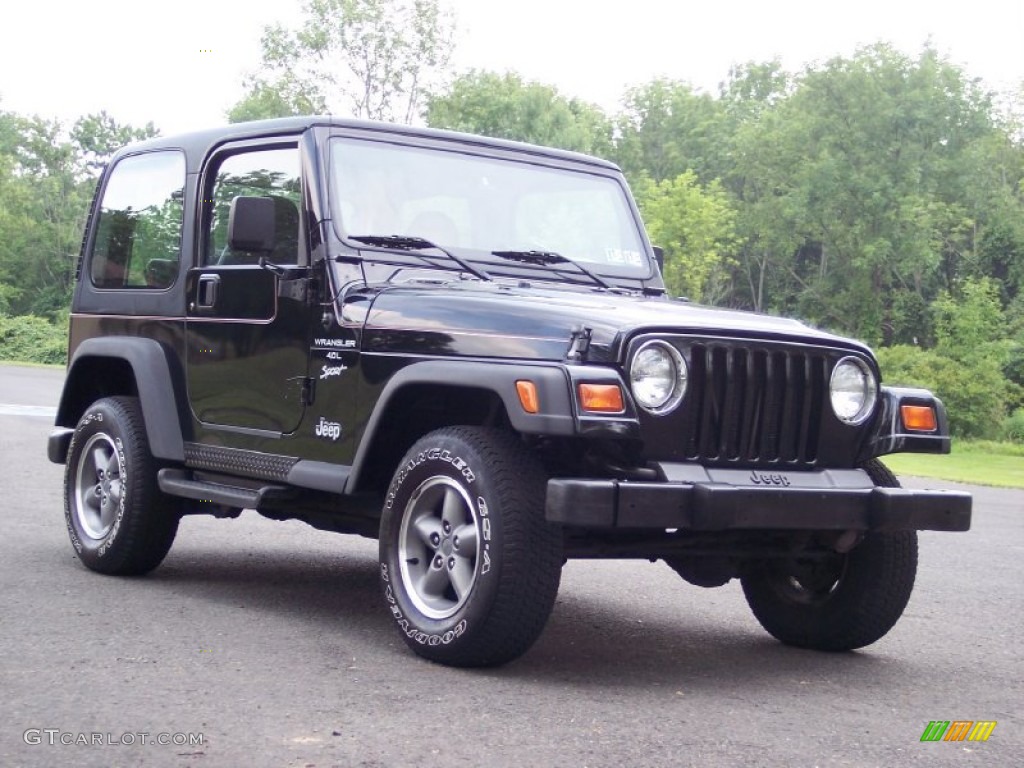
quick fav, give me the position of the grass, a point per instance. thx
(981, 463)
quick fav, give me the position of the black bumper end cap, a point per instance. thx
(58, 443)
(900, 509)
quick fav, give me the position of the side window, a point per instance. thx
(272, 173)
(138, 232)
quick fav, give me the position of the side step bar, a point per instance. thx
(176, 482)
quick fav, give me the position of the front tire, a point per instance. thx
(469, 566)
(841, 601)
(118, 520)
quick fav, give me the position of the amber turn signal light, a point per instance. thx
(919, 418)
(528, 396)
(603, 398)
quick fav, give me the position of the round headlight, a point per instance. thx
(853, 390)
(657, 377)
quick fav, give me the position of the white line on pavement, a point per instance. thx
(41, 411)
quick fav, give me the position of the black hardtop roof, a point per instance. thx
(198, 144)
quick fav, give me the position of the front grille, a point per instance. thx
(750, 405)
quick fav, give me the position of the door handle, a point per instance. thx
(207, 292)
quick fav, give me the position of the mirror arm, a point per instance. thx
(284, 273)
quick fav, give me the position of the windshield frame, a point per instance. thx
(478, 147)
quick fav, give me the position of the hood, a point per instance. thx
(531, 321)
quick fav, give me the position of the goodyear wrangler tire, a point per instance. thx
(469, 566)
(843, 602)
(118, 520)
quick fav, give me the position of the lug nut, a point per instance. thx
(438, 561)
(451, 563)
(435, 539)
(447, 527)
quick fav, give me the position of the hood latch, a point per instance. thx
(579, 344)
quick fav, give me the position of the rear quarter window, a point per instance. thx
(138, 228)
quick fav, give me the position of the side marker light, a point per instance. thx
(918, 418)
(528, 396)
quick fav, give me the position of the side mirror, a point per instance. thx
(251, 224)
(659, 257)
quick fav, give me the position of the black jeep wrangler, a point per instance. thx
(463, 347)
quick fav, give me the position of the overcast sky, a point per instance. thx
(180, 64)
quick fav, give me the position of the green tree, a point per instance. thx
(770, 213)
(972, 325)
(666, 128)
(283, 98)
(993, 190)
(506, 107)
(864, 165)
(753, 89)
(695, 226)
(967, 392)
(41, 212)
(47, 178)
(757, 180)
(97, 137)
(373, 59)
(966, 367)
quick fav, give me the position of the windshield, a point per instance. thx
(478, 205)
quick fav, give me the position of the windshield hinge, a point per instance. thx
(579, 343)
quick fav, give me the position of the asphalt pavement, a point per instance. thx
(260, 643)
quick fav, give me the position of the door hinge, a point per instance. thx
(308, 390)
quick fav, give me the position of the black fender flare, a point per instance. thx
(557, 416)
(154, 383)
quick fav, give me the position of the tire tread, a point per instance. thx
(530, 567)
(150, 522)
(869, 600)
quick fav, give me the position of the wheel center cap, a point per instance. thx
(446, 546)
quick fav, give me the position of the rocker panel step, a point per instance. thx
(178, 483)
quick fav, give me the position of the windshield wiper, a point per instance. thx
(413, 243)
(550, 257)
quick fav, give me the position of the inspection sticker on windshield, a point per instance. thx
(620, 256)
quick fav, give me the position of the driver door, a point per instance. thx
(247, 328)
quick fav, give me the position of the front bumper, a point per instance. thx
(720, 500)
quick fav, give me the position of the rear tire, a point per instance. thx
(469, 566)
(117, 518)
(842, 601)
